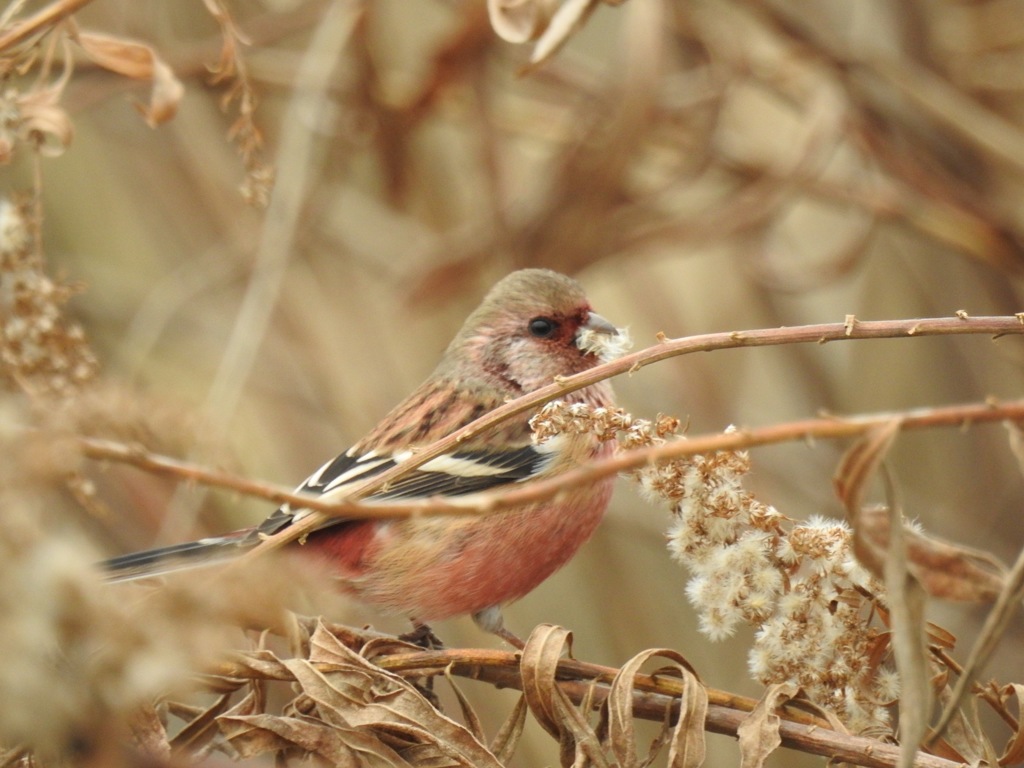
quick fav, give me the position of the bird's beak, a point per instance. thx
(598, 324)
(600, 338)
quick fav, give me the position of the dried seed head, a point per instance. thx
(797, 583)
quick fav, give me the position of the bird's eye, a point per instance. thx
(542, 327)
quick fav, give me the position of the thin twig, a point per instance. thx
(46, 17)
(992, 631)
(831, 427)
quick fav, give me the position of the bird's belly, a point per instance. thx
(434, 568)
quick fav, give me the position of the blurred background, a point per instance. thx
(700, 165)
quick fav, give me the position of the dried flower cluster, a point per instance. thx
(40, 351)
(233, 71)
(797, 583)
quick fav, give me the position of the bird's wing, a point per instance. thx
(453, 474)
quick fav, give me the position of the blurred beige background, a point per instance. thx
(700, 166)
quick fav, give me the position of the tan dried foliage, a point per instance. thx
(348, 711)
(717, 127)
(759, 732)
(686, 739)
(946, 570)
(139, 62)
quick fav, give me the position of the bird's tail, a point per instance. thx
(179, 557)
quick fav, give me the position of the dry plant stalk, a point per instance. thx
(796, 582)
(33, 115)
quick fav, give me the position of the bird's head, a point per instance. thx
(534, 325)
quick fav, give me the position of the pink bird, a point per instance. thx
(533, 326)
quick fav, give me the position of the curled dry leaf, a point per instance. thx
(945, 570)
(149, 735)
(140, 62)
(548, 22)
(543, 650)
(563, 24)
(34, 116)
(904, 595)
(687, 746)
(519, 21)
(254, 735)
(350, 712)
(758, 734)
(1016, 435)
(1013, 754)
(231, 36)
(686, 742)
(374, 704)
(201, 725)
(907, 600)
(468, 713)
(963, 740)
(579, 744)
(507, 738)
(857, 467)
(991, 631)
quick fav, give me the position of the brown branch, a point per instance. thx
(812, 428)
(830, 427)
(47, 16)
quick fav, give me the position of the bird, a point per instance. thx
(533, 326)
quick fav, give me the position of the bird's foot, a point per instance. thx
(490, 620)
(423, 636)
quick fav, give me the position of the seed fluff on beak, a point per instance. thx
(600, 338)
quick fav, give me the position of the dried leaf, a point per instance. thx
(1013, 753)
(963, 740)
(201, 726)
(687, 742)
(991, 631)
(940, 636)
(1016, 442)
(566, 20)
(507, 738)
(945, 570)
(138, 61)
(518, 21)
(758, 734)
(349, 691)
(150, 736)
(886, 557)
(540, 660)
(468, 713)
(687, 747)
(42, 120)
(164, 98)
(254, 735)
(857, 467)
(579, 744)
(230, 36)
